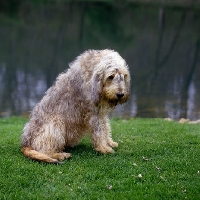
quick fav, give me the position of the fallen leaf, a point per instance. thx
(139, 175)
(158, 168)
(109, 187)
(145, 159)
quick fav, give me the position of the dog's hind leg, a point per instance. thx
(29, 152)
(48, 143)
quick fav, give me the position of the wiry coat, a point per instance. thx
(77, 104)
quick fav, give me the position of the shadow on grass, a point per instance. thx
(78, 152)
(82, 149)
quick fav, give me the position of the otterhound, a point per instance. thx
(77, 104)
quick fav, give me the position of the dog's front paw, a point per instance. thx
(113, 144)
(104, 149)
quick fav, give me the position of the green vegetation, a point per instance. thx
(156, 159)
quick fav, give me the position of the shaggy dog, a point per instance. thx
(77, 104)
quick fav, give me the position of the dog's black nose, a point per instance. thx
(120, 95)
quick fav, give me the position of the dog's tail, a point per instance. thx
(35, 155)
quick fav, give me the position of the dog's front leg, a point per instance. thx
(109, 139)
(99, 135)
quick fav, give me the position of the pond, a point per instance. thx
(160, 44)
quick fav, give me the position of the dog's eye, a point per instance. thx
(111, 77)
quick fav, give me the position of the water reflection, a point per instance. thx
(160, 45)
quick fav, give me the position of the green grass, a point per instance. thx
(166, 154)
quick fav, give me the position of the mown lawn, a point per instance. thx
(156, 159)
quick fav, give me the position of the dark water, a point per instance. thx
(160, 45)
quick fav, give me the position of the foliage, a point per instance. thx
(156, 159)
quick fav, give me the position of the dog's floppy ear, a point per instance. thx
(128, 84)
(96, 88)
(127, 80)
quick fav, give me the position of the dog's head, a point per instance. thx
(111, 80)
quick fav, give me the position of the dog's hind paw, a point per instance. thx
(61, 156)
